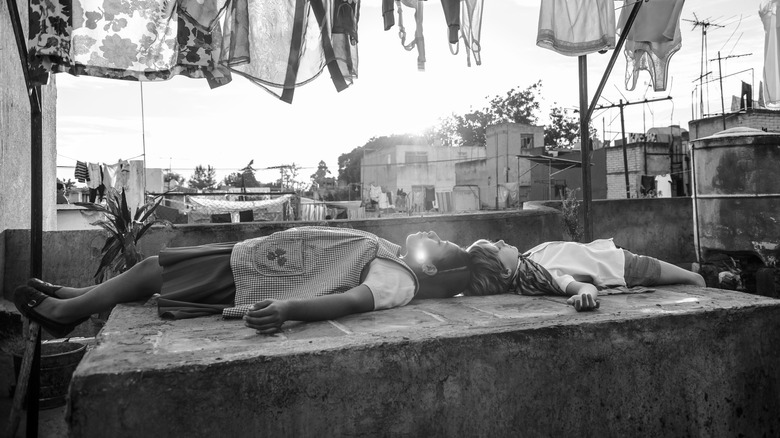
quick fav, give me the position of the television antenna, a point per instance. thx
(704, 25)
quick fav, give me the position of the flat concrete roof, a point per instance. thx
(677, 361)
(136, 339)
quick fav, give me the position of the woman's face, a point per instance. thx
(427, 247)
(507, 253)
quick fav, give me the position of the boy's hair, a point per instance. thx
(488, 276)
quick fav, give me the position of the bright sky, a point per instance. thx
(187, 123)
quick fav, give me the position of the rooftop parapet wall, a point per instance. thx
(72, 257)
(680, 361)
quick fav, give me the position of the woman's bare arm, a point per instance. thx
(268, 316)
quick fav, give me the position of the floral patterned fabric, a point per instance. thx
(121, 39)
(276, 44)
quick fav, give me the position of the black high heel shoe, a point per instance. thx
(27, 298)
(47, 288)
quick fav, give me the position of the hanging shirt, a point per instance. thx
(770, 90)
(600, 262)
(95, 175)
(652, 40)
(117, 40)
(663, 186)
(576, 27)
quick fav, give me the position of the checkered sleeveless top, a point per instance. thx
(304, 262)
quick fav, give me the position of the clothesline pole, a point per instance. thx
(585, 113)
(36, 205)
(585, 149)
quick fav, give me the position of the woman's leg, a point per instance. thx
(73, 292)
(139, 282)
(671, 274)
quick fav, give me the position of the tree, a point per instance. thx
(243, 178)
(349, 165)
(319, 177)
(203, 178)
(564, 129)
(517, 106)
(288, 178)
(169, 177)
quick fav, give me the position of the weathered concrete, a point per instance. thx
(677, 362)
(72, 257)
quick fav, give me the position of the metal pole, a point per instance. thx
(585, 148)
(612, 59)
(722, 105)
(625, 152)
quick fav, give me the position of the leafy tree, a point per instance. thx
(349, 165)
(203, 178)
(564, 129)
(169, 177)
(288, 177)
(243, 178)
(517, 106)
(319, 177)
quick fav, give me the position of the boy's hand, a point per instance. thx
(585, 300)
(267, 316)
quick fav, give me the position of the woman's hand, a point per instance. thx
(584, 296)
(267, 316)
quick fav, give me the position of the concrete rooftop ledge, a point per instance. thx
(678, 361)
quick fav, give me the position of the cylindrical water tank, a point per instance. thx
(736, 196)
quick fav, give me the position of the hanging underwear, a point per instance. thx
(470, 31)
(652, 40)
(576, 27)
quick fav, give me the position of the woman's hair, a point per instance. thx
(488, 275)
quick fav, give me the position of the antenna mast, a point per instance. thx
(704, 25)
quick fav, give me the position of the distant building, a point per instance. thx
(658, 164)
(500, 180)
(425, 173)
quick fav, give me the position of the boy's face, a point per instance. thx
(425, 248)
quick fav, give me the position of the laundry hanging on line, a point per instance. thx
(278, 45)
(463, 22)
(576, 28)
(652, 40)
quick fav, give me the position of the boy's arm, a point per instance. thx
(268, 316)
(584, 296)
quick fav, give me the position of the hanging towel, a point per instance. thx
(576, 27)
(81, 173)
(652, 40)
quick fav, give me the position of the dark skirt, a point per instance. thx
(197, 281)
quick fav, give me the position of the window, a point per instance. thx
(526, 141)
(416, 157)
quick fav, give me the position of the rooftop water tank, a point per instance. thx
(736, 201)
